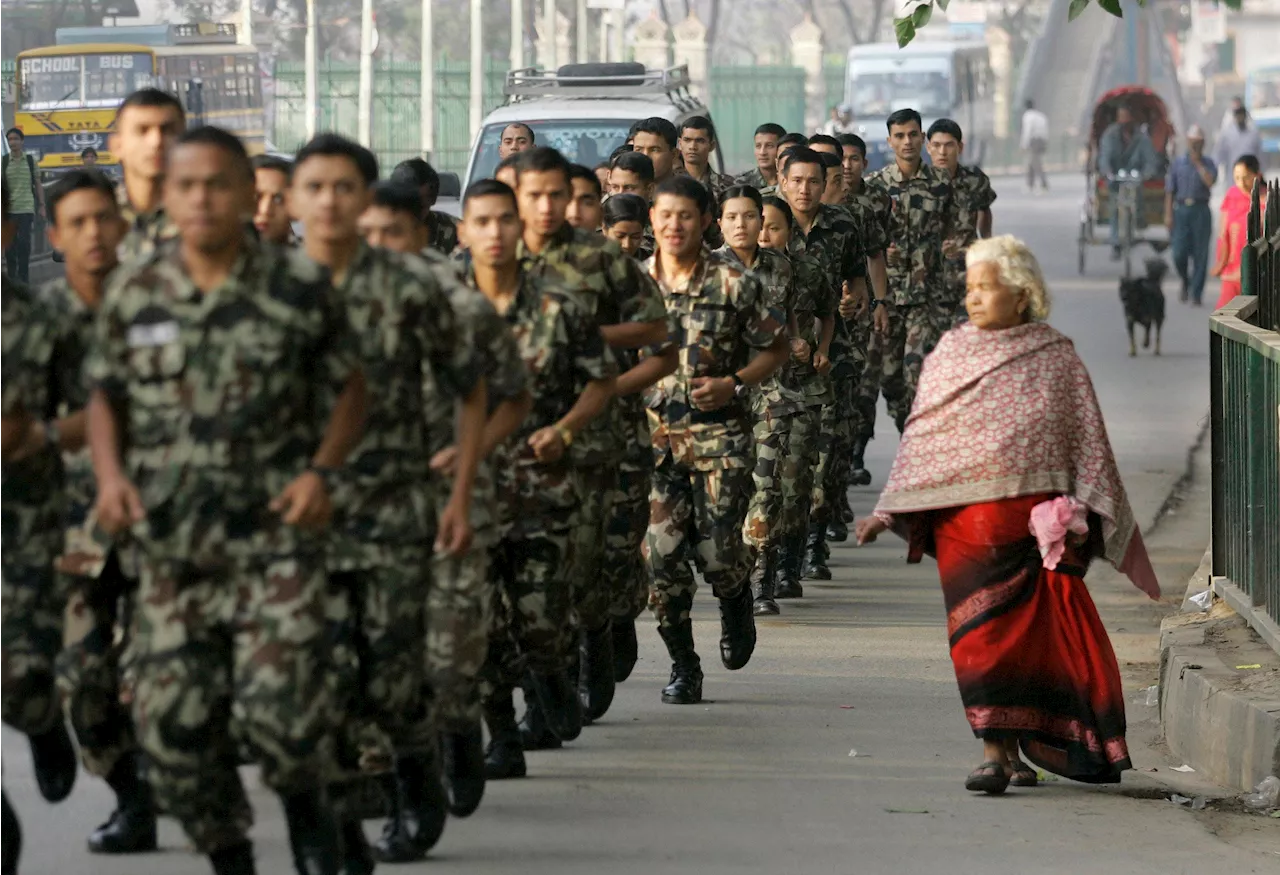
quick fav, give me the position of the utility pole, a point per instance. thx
(477, 64)
(427, 99)
(581, 28)
(312, 87)
(246, 22)
(549, 25)
(517, 34)
(364, 107)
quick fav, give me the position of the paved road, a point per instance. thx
(762, 777)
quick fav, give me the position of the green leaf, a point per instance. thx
(904, 30)
(920, 17)
(1077, 6)
(942, 4)
(1112, 6)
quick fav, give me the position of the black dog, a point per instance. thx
(1143, 300)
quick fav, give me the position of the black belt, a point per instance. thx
(1191, 202)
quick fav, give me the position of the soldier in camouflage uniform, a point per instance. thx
(146, 125)
(223, 486)
(630, 314)
(697, 145)
(973, 199)
(921, 221)
(31, 603)
(85, 226)
(777, 401)
(442, 230)
(702, 435)
(571, 377)
(399, 313)
(765, 146)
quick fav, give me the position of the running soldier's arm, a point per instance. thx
(764, 329)
(643, 315)
(983, 198)
(21, 381)
(508, 381)
(118, 504)
(594, 368)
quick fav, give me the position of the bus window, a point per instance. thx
(50, 83)
(109, 79)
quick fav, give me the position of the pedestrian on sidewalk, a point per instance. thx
(1014, 531)
(1188, 188)
(1238, 138)
(1234, 233)
(21, 173)
(1035, 142)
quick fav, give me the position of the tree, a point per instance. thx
(905, 28)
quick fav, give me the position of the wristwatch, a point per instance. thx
(740, 388)
(566, 436)
(877, 302)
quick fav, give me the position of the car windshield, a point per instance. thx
(75, 81)
(878, 94)
(583, 141)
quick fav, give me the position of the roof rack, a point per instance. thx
(598, 80)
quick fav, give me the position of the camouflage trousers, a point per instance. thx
(801, 495)
(913, 333)
(591, 596)
(624, 570)
(89, 666)
(695, 518)
(240, 657)
(30, 639)
(838, 422)
(866, 396)
(763, 525)
(459, 615)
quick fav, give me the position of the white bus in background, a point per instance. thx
(939, 79)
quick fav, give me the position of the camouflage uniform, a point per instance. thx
(701, 483)
(32, 508)
(218, 392)
(774, 404)
(755, 179)
(147, 231)
(973, 196)
(95, 580)
(922, 218)
(871, 206)
(442, 232)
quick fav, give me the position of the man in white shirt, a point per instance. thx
(1035, 142)
(841, 122)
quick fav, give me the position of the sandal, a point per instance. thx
(1022, 775)
(990, 778)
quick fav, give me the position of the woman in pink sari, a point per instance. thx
(1005, 474)
(1234, 233)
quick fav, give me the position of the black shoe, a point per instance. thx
(504, 758)
(790, 567)
(626, 649)
(837, 531)
(558, 696)
(534, 732)
(12, 839)
(815, 566)
(463, 770)
(764, 580)
(131, 828)
(313, 834)
(596, 686)
(53, 757)
(685, 687)
(737, 630)
(420, 812)
(858, 473)
(357, 857)
(235, 860)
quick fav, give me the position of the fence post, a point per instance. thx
(650, 45)
(691, 48)
(806, 52)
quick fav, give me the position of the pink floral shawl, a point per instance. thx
(1003, 414)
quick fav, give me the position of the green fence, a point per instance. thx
(1244, 361)
(741, 98)
(396, 107)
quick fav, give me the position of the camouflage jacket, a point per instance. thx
(755, 179)
(31, 488)
(835, 241)
(399, 314)
(147, 231)
(559, 342)
(221, 396)
(973, 195)
(871, 206)
(715, 183)
(815, 299)
(717, 320)
(615, 289)
(442, 233)
(922, 219)
(782, 393)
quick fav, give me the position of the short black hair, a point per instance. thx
(541, 159)
(152, 98)
(87, 151)
(1249, 162)
(825, 140)
(748, 191)
(658, 126)
(509, 161)
(829, 161)
(489, 188)
(80, 179)
(336, 145)
(399, 197)
(418, 173)
(805, 155)
(219, 138)
(945, 126)
(781, 206)
(624, 148)
(853, 141)
(903, 117)
(586, 174)
(634, 162)
(533, 139)
(1030, 104)
(625, 208)
(797, 139)
(18, 131)
(699, 123)
(771, 128)
(680, 185)
(276, 163)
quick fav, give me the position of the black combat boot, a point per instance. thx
(816, 557)
(737, 630)
(313, 833)
(534, 732)
(790, 568)
(626, 649)
(764, 580)
(233, 860)
(685, 687)
(504, 757)
(132, 826)
(12, 850)
(357, 856)
(463, 753)
(557, 693)
(838, 518)
(421, 811)
(596, 686)
(859, 475)
(53, 758)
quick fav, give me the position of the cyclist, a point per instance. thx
(1124, 148)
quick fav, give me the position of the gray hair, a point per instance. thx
(1018, 269)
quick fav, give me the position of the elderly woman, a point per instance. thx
(1005, 474)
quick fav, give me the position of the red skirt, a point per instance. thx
(1031, 655)
(1230, 288)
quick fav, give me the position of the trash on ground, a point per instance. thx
(846, 707)
(1203, 601)
(853, 752)
(1149, 697)
(1183, 768)
(907, 810)
(1179, 799)
(1044, 777)
(1265, 795)
(1246, 667)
